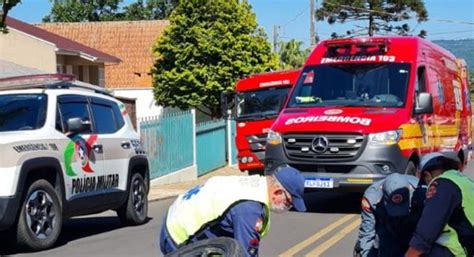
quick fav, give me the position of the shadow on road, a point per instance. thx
(74, 229)
(331, 202)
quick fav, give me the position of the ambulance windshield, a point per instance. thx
(261, 104)
(359, 85)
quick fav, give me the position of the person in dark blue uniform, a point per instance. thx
(231, 206)
(243, 222)
(446, 227)
(390, 210)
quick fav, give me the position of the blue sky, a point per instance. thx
(448, 19)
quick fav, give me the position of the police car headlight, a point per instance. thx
(385, 138)
(273, 138)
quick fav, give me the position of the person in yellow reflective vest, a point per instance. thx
(446, 226)
(232, 206)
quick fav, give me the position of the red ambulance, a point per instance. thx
(366, 107)
(259, 99)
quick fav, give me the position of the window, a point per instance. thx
(420, 83)
(352, 85)
(72, 106)
(104, 118)
(118, 116)
(22, 111)
(107, 115)
(260, 104)
(59, 122)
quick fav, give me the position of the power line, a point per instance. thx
(449, 32)
(296, 17)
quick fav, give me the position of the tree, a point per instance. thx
(7, 5)
(108, 10)
(149, 10)
(380, 14)
(209, 45)
(83, 10)
(291, 54)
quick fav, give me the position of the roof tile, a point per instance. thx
(61, 42)
(131, 41)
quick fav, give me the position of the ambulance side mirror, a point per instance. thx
(425, 104)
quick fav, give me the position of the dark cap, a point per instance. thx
(293, 182)
(432, 160)
(396, 193)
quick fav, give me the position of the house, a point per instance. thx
(132, 42)
(10, 69)
(35, 48)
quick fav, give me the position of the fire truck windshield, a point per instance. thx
(260, 104)
(377, 85)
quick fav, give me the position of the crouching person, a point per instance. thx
(390, 210)
(232, 206)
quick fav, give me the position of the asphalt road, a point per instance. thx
(329, 229)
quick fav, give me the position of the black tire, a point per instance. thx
(40, 220)
(255, 172)
(221, 246)
(410, 169)
(135, 209)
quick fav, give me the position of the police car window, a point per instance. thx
(104, 118)
(59, 123)
(74, 107)
(118, 116)
(22, 111)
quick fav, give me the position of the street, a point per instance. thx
(329, 228)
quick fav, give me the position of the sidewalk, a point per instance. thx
(160, 192)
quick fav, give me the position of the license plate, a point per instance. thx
(319, 182)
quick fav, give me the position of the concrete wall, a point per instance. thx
(145, 102)
(25, 50)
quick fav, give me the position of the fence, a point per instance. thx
(211, 145)
(172, 146)
(168, 141)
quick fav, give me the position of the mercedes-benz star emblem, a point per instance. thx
(320, 144)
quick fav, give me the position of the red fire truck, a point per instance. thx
(363, 108)
(258, 99)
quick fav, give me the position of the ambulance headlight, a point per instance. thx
(385, 138)
(273, 138)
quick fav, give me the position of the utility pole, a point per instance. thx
(312, 33)
(275, 38)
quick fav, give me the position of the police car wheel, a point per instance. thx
(135, 210)
(221, 246)
(40, 220)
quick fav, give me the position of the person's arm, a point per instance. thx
(248, 221)
(441, 199)
(366, 229)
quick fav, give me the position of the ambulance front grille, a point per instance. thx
(323, 147)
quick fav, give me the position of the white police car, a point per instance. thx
(66, 149)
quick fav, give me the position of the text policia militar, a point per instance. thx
(94, 183)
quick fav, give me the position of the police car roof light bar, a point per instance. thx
(50, 81)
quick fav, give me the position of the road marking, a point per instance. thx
(333, 240)
(292, 251)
